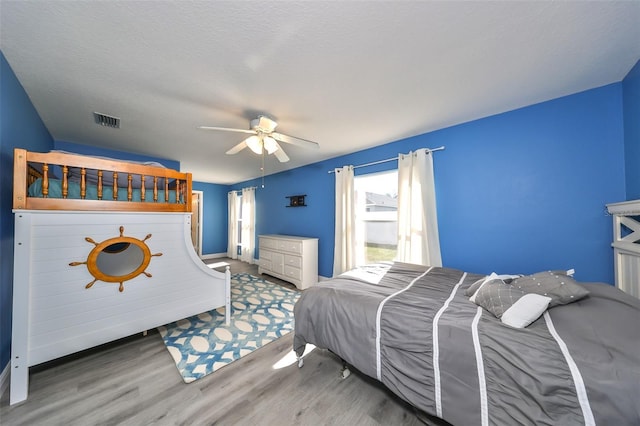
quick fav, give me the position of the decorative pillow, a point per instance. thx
(476, 285)
(496, 296)
(526, 310)
(473, 288)
(561, 288)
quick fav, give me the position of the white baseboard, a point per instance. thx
(321, 278)
(213, 256)
(4, 378)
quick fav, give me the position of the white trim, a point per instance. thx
(581, 391)
(625, 208)
(379, 314)
(436, 347)
(482, 384)
(4, 378)
(213, 256)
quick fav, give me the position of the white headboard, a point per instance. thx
(626, 245)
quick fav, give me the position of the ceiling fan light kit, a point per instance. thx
(263, 137)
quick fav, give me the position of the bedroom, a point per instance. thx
(560, 161)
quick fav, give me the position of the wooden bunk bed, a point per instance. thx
(102, 250)
(31, 168)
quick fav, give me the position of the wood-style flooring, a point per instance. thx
(134, 381)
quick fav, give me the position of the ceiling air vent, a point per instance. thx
(107, 120)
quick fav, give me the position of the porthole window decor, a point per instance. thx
(117, 259)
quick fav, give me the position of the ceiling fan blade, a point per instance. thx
(280, 154)
(228, 129)
(236, 149)
(295, 141)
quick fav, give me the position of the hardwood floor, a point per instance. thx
(134, 381)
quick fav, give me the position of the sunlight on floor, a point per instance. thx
(290, 358)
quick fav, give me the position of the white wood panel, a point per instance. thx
(55, 315)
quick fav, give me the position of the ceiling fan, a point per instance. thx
(263, 137)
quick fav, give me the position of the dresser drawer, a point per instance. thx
(268, 243)
(295, 261)
(265, 254)
(293, 273)
(265, 263)
(290, 246)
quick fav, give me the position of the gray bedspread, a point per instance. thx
(412, 328)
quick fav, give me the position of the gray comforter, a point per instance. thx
(412, 328)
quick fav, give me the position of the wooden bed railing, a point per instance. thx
(27, 166)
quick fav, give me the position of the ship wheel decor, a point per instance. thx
(118, 259)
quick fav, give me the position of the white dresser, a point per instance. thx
(290, 258)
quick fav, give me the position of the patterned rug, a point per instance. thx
(261, 312)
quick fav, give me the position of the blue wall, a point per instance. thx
(631, 102)
(517, 192)
(20, 127)
(214, 217)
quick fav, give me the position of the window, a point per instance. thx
(376, 216)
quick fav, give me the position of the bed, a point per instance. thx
(102, 250)
(415, 329)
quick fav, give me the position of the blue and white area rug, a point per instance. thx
(261, 312)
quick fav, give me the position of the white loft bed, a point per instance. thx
(626, 245)
(95, 262)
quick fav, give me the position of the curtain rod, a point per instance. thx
(387, 160)
(240, 190)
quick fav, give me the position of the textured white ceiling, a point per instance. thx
(349, 75)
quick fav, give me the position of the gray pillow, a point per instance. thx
(561, 288)
(476, 285)
(514, 307)
(496, 296)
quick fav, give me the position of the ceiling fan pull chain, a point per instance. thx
(262, 168)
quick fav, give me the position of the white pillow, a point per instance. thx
(525, 310)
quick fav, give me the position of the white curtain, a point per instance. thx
(344, 257)
(248, 234)
(418, 240)
(232, 243)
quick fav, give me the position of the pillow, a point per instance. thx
(514, 307)
(496, 297)
(476, 285)
(557, 285)
(473, 288)
(526, 310)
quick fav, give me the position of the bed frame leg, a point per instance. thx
(345, 372)
(300, 361)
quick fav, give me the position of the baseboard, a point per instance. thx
(4, 378)
(321, 278)
(213, 256)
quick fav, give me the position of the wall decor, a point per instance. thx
(297, 200)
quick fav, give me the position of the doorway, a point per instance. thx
(196, 220)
